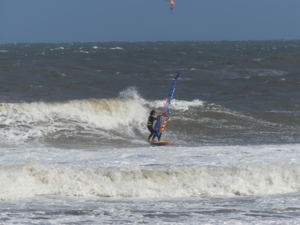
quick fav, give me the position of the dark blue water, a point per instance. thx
(243, 92)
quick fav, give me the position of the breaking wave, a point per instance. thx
(121, 121)
(31, 179)
(88, 119)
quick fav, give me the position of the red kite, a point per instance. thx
(172, 4)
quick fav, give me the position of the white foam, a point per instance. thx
(186, 105)
(116, 48)
(23, 181)
(96, 47)
(215, 171)
(58, 48)
(81, 51)
(178, 104)
(38, 119)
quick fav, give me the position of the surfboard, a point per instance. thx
(158, 143)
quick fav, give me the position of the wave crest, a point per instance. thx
(24, 121)
(22, 181)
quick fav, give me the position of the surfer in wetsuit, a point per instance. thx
(150, 123)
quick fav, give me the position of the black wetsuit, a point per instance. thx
(150, 126)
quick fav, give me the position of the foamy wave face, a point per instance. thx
(95, 122)
(27, 121)
(23, 181)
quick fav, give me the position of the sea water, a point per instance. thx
(73, 133)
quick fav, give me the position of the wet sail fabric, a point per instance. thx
(164, 116)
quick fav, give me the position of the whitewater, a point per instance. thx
(73, 132)
(184, 185)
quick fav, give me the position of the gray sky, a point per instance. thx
(145, 20)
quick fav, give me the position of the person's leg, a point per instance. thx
(154, 135)
(152, 131)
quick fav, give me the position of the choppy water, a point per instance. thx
(72, 131)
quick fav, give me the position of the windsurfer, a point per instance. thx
(150, 123)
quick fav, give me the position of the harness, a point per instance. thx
(150, 121)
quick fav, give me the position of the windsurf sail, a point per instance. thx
(161, 123)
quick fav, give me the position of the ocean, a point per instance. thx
(73, 133)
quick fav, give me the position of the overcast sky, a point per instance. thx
(147, 20)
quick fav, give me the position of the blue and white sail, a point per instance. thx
(164, 116)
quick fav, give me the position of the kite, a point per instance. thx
(172, 4)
